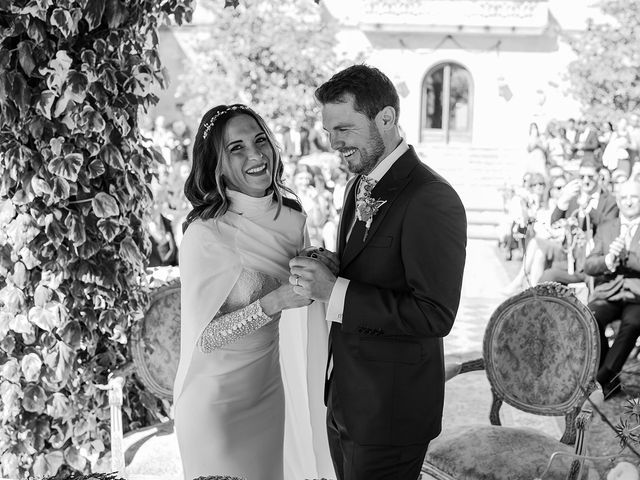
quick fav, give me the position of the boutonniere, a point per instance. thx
(367, 207)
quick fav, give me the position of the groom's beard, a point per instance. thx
(370, 154)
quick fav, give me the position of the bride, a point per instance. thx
(229, 396)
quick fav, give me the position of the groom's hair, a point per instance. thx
(372, 90)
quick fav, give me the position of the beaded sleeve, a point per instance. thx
(229, 327)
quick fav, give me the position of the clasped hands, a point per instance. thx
(313, 273)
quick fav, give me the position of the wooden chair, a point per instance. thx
(540, 354)
(155, 347)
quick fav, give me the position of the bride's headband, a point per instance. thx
(212, 120)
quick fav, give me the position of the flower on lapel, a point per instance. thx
(367, 206)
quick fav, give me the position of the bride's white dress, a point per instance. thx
(230, 418)
(229, 397)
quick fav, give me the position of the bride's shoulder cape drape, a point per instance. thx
(214, 252)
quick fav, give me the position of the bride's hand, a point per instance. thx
(282, 298)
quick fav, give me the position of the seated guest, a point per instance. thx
(584, 200)
(545, 234)
(615, 264)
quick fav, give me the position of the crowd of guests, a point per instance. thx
(581, 226)
(567, 144)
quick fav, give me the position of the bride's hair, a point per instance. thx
(204, 186)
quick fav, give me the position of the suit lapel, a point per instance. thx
(387, 189)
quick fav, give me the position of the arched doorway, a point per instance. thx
(447, 104)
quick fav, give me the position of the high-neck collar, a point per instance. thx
(247, 205)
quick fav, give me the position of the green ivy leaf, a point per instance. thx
(76, 228)
(58, 406)
(109, 228)
(25, 57)
(43, 318)
(34, 398)
(104, 205)
(57, 70)
(74, 459)
(115, 14)
(21, 93)
(67, 167)
(13, 299)
(93, 11)
(89, 56)
(56, 144)
(53, 229)
(61, 189)
(40, 186)
(36, 30)
(76, 88)
(112, 157)
(88, 249)
(42, 295)
(20, 324)
(62, 19)
(20, 275)
(130, 252)
(71, 334)
(7, 211)
(8, 344)
(5, 323)
(92, 120)
(149, 401)
(96, 168)
(47, 465)
(10, 370)
(31, 365)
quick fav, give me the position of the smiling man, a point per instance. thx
(401, 254)
(615, 264)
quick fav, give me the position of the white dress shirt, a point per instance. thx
(335, 307)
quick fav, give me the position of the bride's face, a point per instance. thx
(247, 164)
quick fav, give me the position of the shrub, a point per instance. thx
(74, 75)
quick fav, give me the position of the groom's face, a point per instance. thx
(353, 135)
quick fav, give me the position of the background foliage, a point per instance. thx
(605, 77)
(270, 55)
(73, 197)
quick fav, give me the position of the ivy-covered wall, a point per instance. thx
(74, 75)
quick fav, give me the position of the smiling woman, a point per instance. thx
(229, 394)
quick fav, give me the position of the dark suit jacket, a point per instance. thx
(403, 295)
(606, 209)
(624, 283)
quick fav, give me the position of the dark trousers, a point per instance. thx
(612, 359)
(352, 461)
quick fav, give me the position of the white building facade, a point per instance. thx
(469, 72)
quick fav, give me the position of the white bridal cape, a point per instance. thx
(243, 407)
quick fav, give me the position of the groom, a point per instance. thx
(401, 253)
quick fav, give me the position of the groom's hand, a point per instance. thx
(311, 278)
(327, 257)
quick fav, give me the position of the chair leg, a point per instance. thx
(569, 435)
(117, 438)
(494, 415)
